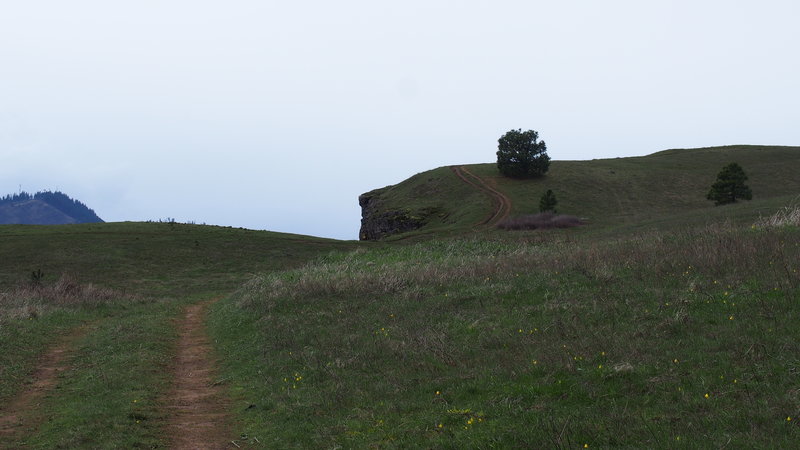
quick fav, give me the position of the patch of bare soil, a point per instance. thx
(23, 414)
(197, 406)
(501, 202)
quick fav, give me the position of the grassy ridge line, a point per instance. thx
(158, 259)
(639, 189)
(661, 189)
(457, 205)
(682, 338)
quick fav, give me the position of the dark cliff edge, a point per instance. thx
(419, 204)
(378, 222)
(381, 218)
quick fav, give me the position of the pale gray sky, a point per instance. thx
(277, 115)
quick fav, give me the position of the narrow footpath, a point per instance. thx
(197, 406)
(22, 415)
(500, 202)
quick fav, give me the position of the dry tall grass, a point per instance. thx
(728, 253)
(789, 216)
(32, 300)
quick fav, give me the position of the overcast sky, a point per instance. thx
(277, 115)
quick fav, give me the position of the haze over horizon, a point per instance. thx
(277, 116)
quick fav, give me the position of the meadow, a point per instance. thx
(660, 322)
(617, 196)
(685, 338)
(114, 293)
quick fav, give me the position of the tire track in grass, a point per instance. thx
(500, 201)
(22, 415)
(196, 404)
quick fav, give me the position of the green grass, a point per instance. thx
(438, 196)
(110, 396)
(458, 344)
(160, 259)
(24, 340)
(118, 349)
(610, 334)
(154, 268)
(653, 189)
(618, 195)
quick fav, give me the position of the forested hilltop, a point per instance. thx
(44, 208)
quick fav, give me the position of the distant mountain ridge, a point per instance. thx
(44, 208)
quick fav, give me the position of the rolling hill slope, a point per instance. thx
(668, 186)
(152, 258)
(89, 321)
(666, 322)
(635, 331)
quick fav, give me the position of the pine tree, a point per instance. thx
(548, 202)
(520, 154)
(730, 186)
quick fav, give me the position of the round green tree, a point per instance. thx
(548, 202)
(520, 154)
(730, 186)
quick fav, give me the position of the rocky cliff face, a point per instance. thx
(378, 222)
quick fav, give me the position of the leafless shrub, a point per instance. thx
(623, 367)
(789, 216)
(540, 221)
(32, 300)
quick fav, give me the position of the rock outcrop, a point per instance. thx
(378, 222)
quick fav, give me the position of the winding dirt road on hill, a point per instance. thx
(196, 404)
(22, 414)
(500, 201)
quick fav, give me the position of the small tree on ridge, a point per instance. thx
(730, 186)
(520, 154)
(548, 202)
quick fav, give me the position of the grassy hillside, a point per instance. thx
(113, 292)
(445, 203)
(661, 189)
(152, 258)
(658, 340)
(658, 187)
(665, 322)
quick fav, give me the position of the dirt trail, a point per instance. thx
(196, 405)
(500, 201)
(22, 414)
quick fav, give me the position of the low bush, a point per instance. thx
(540, 221)
(34, 299)
(789, 216)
